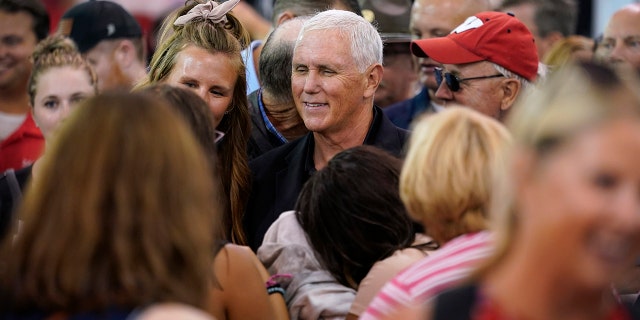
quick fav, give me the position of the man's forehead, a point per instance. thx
(480, 65)
(15, 22)
(625, 19)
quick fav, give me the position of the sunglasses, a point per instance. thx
(453, 82)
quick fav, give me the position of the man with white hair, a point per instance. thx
(336, 69)
(487, 61)
(431, 19)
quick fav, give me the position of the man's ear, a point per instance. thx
(374, 76)
(125, 53)
(286, 15)
(510, 90)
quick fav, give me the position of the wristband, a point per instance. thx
(274, 289)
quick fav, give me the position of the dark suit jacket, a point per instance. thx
(278, 175)
(261, 140)
(402, 113)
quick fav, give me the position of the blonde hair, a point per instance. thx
(446, 178)
(54, 52)
(563, 51)
(228, 39)
(123, 214)
(577, 97)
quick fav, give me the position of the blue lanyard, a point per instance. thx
(268, 123)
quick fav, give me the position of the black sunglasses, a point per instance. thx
(453, 82)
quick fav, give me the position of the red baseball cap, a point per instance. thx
(493, 36)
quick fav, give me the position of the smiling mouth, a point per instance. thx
(314, 105)
(611, 250)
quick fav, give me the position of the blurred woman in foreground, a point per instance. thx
(233, 263)
(122, 216)
(567, 207)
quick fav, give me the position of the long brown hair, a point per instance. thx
(199, 119)
(122, 214)
(229, 39)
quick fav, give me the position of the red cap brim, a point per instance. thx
(443, 50)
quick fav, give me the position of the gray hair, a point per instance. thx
(364, 39)
(524, 83)
(274, 67)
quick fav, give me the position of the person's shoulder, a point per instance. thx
(173, 310)
(388, 135)
(479, 239)
(273, 158)
(397, 109)
(234, 253)
(233, 259)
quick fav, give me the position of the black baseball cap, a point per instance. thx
(91, 22)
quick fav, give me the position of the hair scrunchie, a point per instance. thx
(213, 11)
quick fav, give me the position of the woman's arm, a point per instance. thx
(242, 293)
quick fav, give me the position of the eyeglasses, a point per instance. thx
(453, 82)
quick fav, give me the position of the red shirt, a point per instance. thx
(488, 310)
(22, 147)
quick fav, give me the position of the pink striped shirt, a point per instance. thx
(440, 270)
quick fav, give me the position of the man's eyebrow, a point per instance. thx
(324, 66)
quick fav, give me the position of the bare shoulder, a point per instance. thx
(411, 313)
(235, 259)
(169, 311)
(241, 293)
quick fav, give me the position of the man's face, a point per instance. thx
(17, 42)
(483, 95)
(331, 95)
(621, 40)
(437, 18)
(399, 79)
(102, 59)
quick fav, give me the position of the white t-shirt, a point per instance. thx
(10, 123)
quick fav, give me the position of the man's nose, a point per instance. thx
(444, 92)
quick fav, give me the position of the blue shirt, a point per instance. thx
(252, 76)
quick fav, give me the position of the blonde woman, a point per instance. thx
(446, 185)
(122, 216)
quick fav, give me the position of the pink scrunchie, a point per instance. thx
(216, 12)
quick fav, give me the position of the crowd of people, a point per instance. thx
(233, 173)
